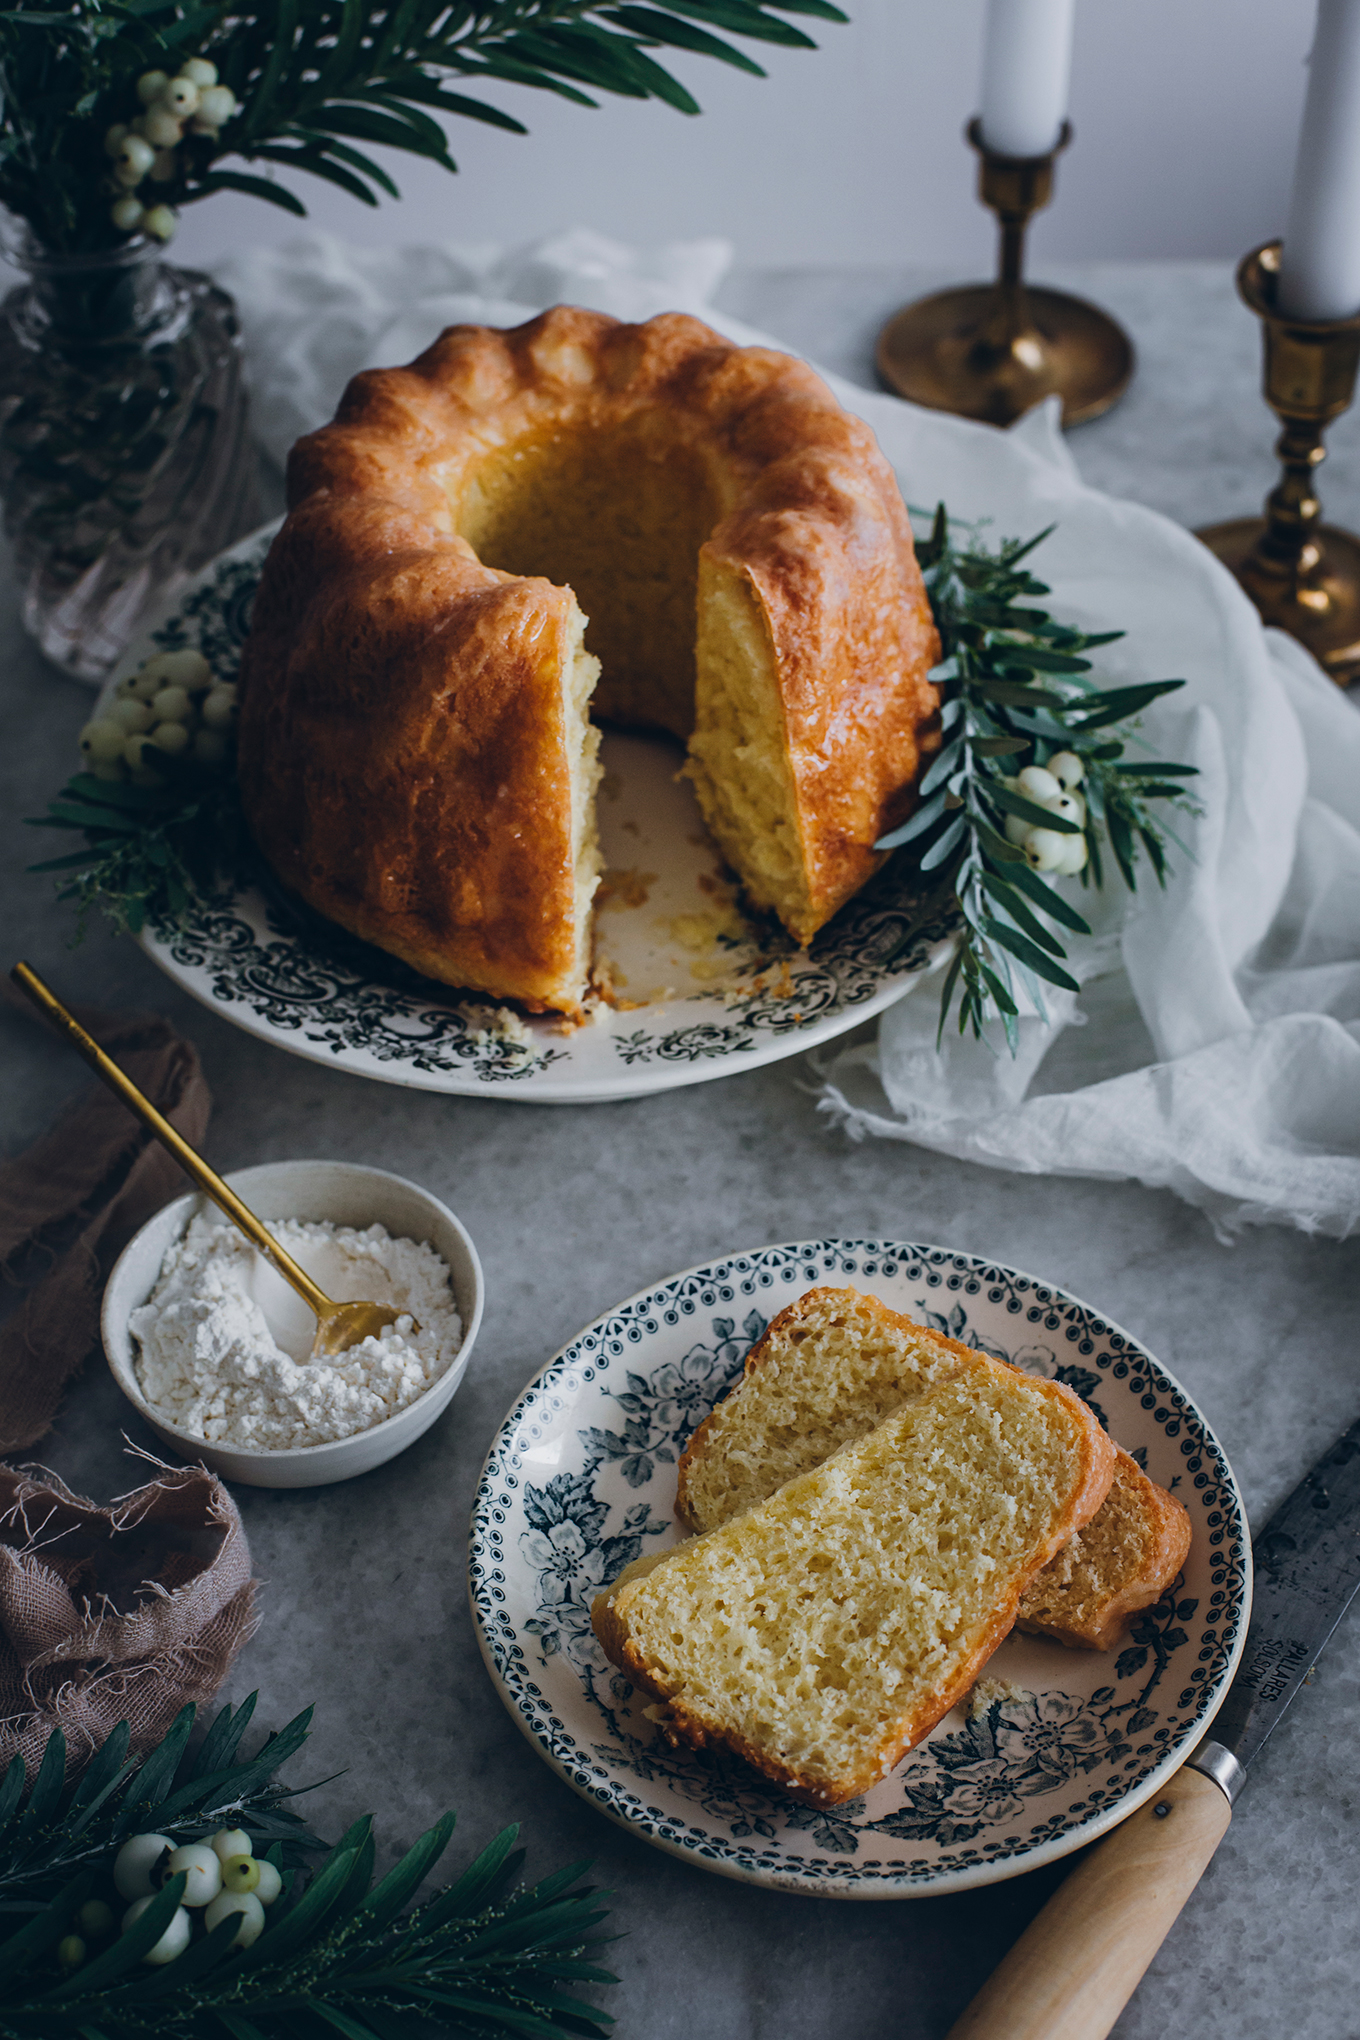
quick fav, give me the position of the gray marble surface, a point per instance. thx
(573, 1208)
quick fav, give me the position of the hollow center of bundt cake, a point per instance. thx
(618, 515)
(618, 512)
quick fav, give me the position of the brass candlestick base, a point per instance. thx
(1303, 575)
(993, 351)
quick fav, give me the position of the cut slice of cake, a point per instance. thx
(1123, 1560)
(439, 794)
(824, 1632)
(836, 1363)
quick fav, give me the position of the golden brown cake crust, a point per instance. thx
(402, 752)
(1071, 1599)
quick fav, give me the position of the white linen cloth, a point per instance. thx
(1215, 1046)
(316, 311)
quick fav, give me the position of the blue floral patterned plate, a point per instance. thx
(1057, 1745)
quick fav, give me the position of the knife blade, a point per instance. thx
(1079, 1962)
(1307, 1568)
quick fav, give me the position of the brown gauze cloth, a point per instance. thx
(99, 1167)
(118, 1614)
(123, 1613)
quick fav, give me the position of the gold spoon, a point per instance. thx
(338, 1325)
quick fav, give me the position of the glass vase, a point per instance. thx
(125, 461)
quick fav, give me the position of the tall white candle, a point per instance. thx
(1320, 269)
(1026, 71)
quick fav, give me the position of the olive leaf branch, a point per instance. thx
(150, 850)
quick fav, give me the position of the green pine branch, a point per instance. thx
(338, 1953)
(1016, 691)
(50, 1831)
(315, 77)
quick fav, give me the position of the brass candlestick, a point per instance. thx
(1302, 574)
(993, 351)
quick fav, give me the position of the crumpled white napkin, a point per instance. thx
(316, 311)
(1221, 1054)
(1215, 1046)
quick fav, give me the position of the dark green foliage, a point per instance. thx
(314, 77)
(51, 1831)
(1016, 690)
(338, 1954)
(149, 849)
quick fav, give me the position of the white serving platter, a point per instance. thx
(581, 1480)
(701, 990)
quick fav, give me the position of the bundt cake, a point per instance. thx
(694, 533)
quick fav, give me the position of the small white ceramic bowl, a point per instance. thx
(346, 1193)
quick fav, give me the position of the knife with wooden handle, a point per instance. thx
(1079, 1962)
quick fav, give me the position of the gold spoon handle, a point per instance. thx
(189, 1160)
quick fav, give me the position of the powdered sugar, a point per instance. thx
(225, 1343)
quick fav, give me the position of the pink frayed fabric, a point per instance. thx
(117, 1614)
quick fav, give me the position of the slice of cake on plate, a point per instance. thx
(822, 1632)
(834, 1364)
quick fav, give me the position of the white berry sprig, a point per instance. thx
(146, 149)
(173, 705)
(1027, 784)
(1053, 786)
(155, 799)
(191, 1928)
(326, 87)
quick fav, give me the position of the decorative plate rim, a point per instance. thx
(318, 994)
(486, 1562)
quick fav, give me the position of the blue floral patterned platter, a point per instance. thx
(1056, 1745)
(698, 989)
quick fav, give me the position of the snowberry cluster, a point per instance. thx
(222, 1879)
(1052, 786)
(172, 704)
(146, 147)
